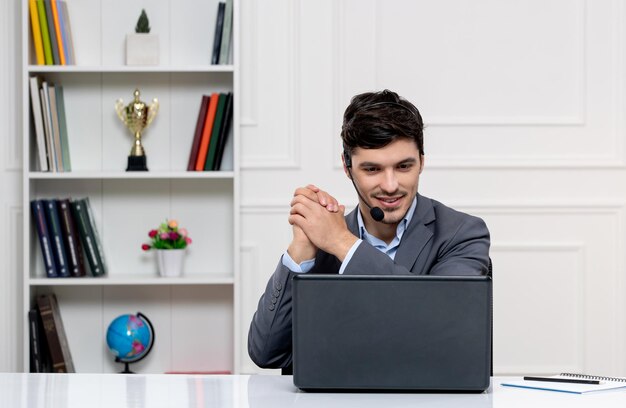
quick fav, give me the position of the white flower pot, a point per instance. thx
(170, 262)
(142, 49)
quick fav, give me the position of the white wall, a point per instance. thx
(524, 105)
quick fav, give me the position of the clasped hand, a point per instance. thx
(318, 222)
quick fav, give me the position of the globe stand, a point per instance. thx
(127, 362)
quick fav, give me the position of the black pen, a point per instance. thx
(562, 380)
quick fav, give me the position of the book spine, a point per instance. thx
(45, 35)
(195, 146)
(67, 162)
(60, 328)
(51, 33)
(35, 101)
(71, 239)
(35, 343)
(68, 34)
(45, 108)
(41, 225)
(215, 133)
(224, 132)
(97, 238)
(56, 236)
(86, 236)
(54, 121)
(227, 33)
(49, 326)
(217, 39)
(206, 132)
(36, 30)
(57, 30)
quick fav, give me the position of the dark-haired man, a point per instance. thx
(394, 230)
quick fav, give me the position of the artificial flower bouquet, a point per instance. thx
(167, 236)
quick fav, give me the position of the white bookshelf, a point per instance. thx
(194, 315)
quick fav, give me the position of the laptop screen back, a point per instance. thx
(391, 332)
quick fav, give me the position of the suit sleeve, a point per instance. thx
(464, 251)
(269, 337)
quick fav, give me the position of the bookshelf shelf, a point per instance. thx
(133, 280)
(127, 205)
(74, 69)
(156, 175)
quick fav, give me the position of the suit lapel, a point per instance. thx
(417, 234)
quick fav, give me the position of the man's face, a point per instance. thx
(388, 177)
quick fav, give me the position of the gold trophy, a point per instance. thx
(137, 116)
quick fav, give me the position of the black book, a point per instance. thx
(224, 131)
(39, 356)
(71, 239)
(45, 243)
(88, 237)
(217, 39)
(56, 237)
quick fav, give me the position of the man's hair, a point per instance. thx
(375, 119)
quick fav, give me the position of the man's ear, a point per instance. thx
(421, 163)
(345, 167)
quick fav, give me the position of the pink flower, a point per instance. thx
(188, 240)
(152, 233)
(183, 232)
(145, 247)
(174, 236)
(164, 235)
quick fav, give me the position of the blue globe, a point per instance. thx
(130, 337)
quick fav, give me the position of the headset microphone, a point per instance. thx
(376, 213)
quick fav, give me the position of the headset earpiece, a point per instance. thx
(347, 159)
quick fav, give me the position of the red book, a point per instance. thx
(195, 146)
(206, 132)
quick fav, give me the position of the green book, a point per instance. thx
(65, 147)
(45, 34)
(88, 236)
(215, 133)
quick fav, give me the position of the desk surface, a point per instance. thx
(256, 391)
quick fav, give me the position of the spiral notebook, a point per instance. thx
(606, 383)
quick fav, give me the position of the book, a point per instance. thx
(45, 35)
(87, 237)
(39, 355)
(65, 147)
(215, 132)
(217, 38)
(206, 132)
(75, 259)
(47, 125)
(553, 383)
(57, 30)
(58, 345)
(227, 32)
(41, 226)
(56, 237)
(63, 31)
(53, 38)
(36, 32)
(68, 34)
(40, 136)
(54, 122)
(94, 228)
(195, 146)
(224, 132)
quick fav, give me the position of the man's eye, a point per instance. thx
(405, 166)
(370, 169)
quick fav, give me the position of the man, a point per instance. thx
(394, 230)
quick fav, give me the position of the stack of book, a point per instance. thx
(49, 349)
(67, 235)
(222, 39)
(48, 108)
(212, 128)
(51, 32)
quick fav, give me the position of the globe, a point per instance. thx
(130, 338)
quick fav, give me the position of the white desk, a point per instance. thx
(257, 391)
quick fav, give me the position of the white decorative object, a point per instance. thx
(142, 49)
(170, 262)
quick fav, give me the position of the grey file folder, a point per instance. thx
(392, 332)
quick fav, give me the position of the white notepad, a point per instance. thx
(606, 383)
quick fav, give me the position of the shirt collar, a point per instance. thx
(402, 225)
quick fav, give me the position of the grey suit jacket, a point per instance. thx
(438, 241)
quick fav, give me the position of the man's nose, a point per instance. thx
(389, 184)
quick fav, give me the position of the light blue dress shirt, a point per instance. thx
(379, 244)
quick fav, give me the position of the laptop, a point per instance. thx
(392, 333)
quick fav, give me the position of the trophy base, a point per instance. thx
(137, 163)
